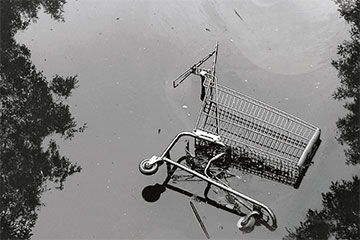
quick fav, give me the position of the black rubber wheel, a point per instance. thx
(147, 169)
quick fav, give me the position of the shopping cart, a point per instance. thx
(235, 131)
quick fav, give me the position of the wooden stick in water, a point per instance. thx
(199, 220)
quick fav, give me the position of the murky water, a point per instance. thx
(126, 54)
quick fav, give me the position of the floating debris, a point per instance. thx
(316, 84)
(238, 14)
(199, 220)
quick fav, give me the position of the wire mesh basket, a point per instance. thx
(264, 140)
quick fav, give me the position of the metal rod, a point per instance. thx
(199, 220)
(213, 70)
(187, 73)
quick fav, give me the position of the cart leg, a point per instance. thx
(206, 191)
(171, 170)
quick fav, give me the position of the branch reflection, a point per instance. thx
(32, 109)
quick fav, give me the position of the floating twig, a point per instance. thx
(199, 220)
(238, 14)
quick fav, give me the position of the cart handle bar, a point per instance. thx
(193, 68)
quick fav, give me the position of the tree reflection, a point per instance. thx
(31, 109)
(340, 215)
(348, 66)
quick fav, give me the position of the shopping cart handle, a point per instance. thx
(208, 136)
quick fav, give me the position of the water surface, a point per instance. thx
(126, 54)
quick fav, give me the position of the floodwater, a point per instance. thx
(126, 54)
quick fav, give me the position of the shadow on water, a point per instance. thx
(32, 108)
(152, 193)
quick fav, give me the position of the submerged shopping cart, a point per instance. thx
(235, 131)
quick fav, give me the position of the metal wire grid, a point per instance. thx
(254, 162)
(250, 124)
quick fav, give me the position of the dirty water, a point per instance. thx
(126, 54)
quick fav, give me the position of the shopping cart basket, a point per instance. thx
(235, 131)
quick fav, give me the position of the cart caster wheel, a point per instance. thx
(147, 169)
(243, 225)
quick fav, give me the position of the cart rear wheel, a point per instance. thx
(147, 169)
(242, 224)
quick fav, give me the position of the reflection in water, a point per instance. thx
(32, 108)
(348, 66)
(340, 215)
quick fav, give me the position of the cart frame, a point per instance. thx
(150, 166)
